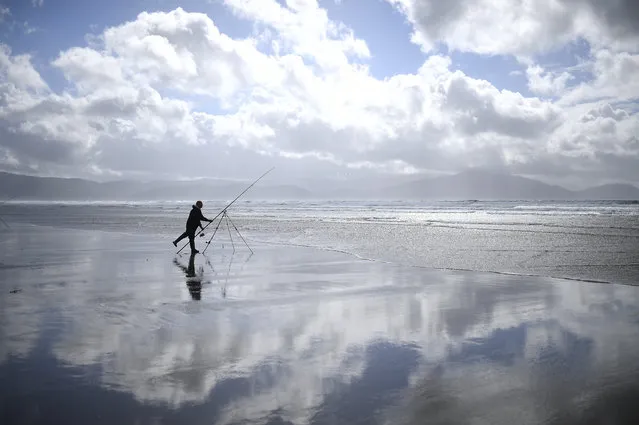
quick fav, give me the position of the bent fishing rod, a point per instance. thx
(229, 205)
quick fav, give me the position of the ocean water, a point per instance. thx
(592, 241)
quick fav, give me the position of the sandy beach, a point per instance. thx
(423, 212)
(107, 328)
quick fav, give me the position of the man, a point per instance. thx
(193, 222)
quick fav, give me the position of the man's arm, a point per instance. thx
(202, 218)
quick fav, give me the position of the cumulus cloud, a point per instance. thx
(613, 80)
(304, 28)
(521, 27)
(547, 83)
(16, 72)
(168, 92)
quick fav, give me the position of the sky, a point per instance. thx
(320, 89)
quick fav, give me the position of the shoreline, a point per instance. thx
(552, 243)
(355, 255)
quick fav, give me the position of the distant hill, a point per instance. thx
(474, 184)
(16, 186)
(486, 185)
(480, 185)
(29, 187)
(610, 192)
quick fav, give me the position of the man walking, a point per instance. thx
(193, 222)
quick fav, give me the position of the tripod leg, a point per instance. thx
(238, 232)
(230, 236)
(214, 232)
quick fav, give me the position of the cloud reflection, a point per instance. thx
(304, 336)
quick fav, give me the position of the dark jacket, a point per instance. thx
(195, 216)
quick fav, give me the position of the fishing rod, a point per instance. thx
(229, 205)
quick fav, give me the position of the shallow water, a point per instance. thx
(103, 327)
(597, 241)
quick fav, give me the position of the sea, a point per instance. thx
(596, 241)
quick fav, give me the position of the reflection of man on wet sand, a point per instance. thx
(193, 281)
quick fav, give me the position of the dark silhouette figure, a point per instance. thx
(193, 222)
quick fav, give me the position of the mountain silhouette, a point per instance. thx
(487, 185)
(473, 184)
(481, 185)
(17, 186)
(611, 192)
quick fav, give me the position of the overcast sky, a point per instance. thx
(229, 88)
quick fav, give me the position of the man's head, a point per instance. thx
(198, 204)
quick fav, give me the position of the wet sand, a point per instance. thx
(105, 328)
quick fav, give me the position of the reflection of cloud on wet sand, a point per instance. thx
(295, 354)
(44, 276)
(564, 368)
(181, 361)
(18, 329)
(534, 368)
(312, 336)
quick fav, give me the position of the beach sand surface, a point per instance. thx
(107, 328)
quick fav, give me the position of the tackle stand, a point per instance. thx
(223, 216)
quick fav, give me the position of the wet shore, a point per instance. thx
(104, 328)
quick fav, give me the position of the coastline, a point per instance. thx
(590, 242)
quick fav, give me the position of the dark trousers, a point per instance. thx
(190, 233)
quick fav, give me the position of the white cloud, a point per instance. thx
(170, 85)
(304, 28)
(186, 52)
(614, 79)
(16, 72)
(90, 70)
(521, 27)
(547, 83)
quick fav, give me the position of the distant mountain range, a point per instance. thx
(480, 185)
(22, 187)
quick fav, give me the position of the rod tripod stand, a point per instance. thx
(229, 223)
